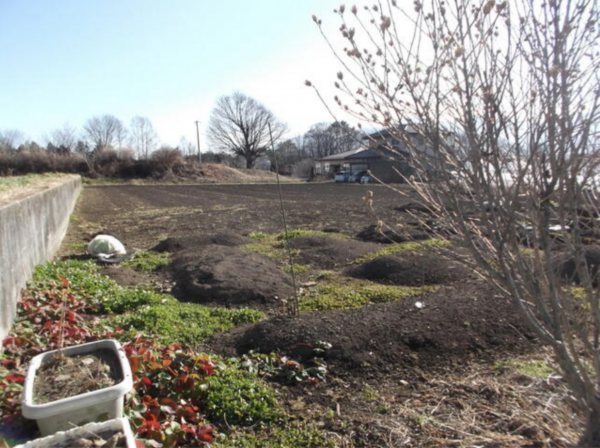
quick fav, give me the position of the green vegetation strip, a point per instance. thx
(183, 323)
(238, 408)
(160, 315)
(536, 369)
(148, 261)
(342, 293)
(414, 246)
(271, 246)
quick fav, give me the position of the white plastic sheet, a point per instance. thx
(106, 246)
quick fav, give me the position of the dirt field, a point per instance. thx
(453, 366)
(143, 215)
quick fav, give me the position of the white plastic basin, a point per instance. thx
(98, 405)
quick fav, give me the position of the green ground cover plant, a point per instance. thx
(301, 436)
(339, 293)
(148, 261)
(533, 368)
(180, 397)
(413, 246)
(164, 320)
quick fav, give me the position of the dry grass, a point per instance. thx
(13, 188)
(484, 406)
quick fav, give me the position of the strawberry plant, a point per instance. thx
(180, 397)
(283, 369)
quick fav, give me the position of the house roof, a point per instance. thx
(384, 133)
(360, 153)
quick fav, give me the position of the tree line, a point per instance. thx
(240, 133)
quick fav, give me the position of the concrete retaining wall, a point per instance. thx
(31, 230)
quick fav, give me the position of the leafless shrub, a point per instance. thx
(506, 97)
(165, 159)
(304, 168)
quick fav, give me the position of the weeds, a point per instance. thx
(301, 436)
(299, 232)
(11, 182)
(298, 268)
(147, 261)
(237, 397)
(535, 369)
(183, 323)
(180, 397)
(413, 246)
(339, 294)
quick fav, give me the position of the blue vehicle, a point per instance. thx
(343, 176)
(355, 177)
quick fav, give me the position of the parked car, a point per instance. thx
(342, 176)
(366, 179)
(355, 177)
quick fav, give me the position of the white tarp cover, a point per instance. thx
(105, 246)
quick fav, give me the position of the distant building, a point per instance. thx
(383, 154)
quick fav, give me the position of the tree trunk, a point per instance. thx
(249, 162)
(591, 438)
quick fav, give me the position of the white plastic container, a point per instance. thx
(98, 405)
(67, 438)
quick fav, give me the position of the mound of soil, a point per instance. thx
(326, 253)
(455, 323)
(566, 267)
(228, 276)
(387, 236)
(124, 276)
(179, 243)
(413, 207)
(410, 269)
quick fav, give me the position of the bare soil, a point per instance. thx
(125, 276)
(390, 236)
(455, 324)
(411, 269)
(66, 376)
(229, 277)
(328, 253)
(193, 242)
(400, 375)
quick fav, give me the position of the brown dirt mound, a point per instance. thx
(455, 324)
(387, 236)
(410, 269)
(124, 276)
(326, 253)
(228, 276)
(413, 207)
(566, 267)
(177, 244)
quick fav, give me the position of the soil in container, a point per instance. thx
(66, 376)
(107, 438)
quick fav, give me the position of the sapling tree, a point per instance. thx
(505, 95)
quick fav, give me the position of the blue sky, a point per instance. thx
(65, 61)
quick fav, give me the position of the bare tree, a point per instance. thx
(240, 124)
(63, 139)
(105, 131)
(325, 139)
(187, 148)
(11, 139)
(143, 137)
(506, 96)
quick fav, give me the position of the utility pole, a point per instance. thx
(198, 141)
